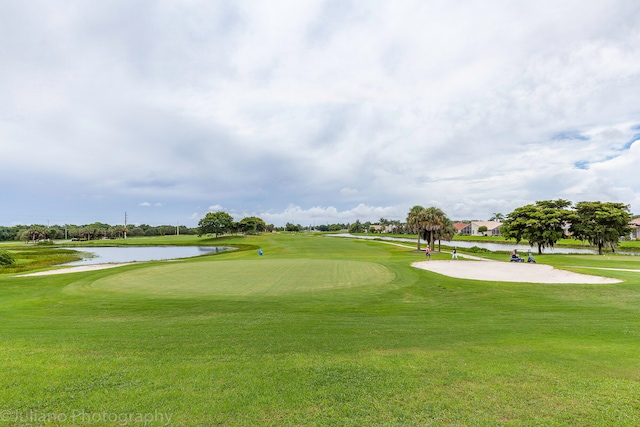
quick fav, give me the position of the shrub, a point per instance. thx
(6, 258)
(475, 249)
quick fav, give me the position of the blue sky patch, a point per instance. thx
(582, 164)
(635, 138)
(569, 135)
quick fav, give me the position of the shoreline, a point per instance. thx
(77, 269)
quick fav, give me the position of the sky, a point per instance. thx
(314, 112)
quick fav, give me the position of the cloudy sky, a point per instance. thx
(314, 112)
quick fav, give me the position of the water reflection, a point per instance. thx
(493, 247)
(121, 254)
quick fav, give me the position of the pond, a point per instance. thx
(122, 254)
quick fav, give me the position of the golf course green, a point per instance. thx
(247, 277)
(318, 331)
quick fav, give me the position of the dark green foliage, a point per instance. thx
(6, 258)
(356, 227)
(477, 250)
(293, 227)
(252, 225)
(601, 224)
(542, 224)
(215, 223)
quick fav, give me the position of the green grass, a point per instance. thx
(247, 277)
(319, 331)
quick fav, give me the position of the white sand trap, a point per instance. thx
(497, 271)
(77, 269)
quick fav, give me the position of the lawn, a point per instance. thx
(318, 331)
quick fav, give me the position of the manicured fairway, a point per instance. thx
(318, 332)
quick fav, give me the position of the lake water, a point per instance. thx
(493, 247)
(121, 254)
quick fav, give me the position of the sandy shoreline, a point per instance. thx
(78, 269)
(509, 272)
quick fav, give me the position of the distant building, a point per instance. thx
(635, 228)
(493, 228)
(463, 228)
(377, 228)
(471, 228)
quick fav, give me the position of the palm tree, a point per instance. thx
(415, 220)
(447, 232)
(429, 224)
(434, 222)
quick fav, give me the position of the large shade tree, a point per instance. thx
(252, 225)
(601, 224)
(215, 223)
(542, 224)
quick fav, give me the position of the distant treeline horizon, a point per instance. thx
(96, 230)
(99, 230)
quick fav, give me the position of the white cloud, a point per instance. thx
(330, 215)
(145, 204)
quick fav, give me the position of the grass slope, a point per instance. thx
(272, 344)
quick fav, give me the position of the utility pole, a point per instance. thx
(125, 224)
(177, 228)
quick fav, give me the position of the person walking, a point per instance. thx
(454, 255)
(427, 253)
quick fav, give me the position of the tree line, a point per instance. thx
(543, 223)
(218, 223)
(97, 230)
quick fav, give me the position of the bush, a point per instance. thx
(475, 249)
(6, 258)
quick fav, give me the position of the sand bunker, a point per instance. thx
(497, 271)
